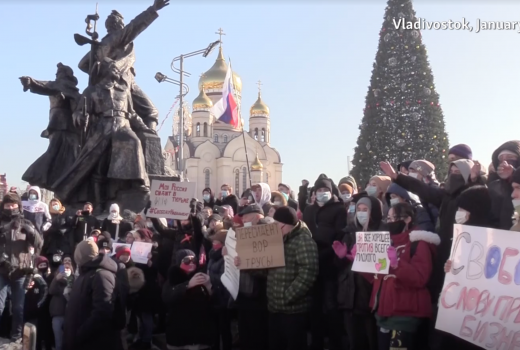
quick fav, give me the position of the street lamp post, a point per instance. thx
(184, 89)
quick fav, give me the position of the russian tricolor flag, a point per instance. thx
(225, 109)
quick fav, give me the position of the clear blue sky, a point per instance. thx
(314, 61)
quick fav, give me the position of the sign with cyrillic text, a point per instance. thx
(171, 199)
(260, 247)
(371, 252)
(480, 299)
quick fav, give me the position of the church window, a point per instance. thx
(263, 135)
(207, 178)
(256, 134)
(198, 130)
(225, 138)
(237, 180)
(205, 129)
(244, 178)
(215, 138)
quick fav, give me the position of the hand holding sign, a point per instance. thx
(447, 266)
(197, 280)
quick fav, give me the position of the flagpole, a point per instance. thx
(243, 132)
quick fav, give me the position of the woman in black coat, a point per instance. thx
(55, 239)
(187, 297)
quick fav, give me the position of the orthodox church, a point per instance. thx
(215, 152)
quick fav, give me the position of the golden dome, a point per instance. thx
(257, 165)
(214, 77)
(259, 108)
(202, 101)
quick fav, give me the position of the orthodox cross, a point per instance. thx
(259, 84)
(220, 32)
(202, 76)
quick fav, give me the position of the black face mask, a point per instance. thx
(454, 183)
(396, 227)
(12, 212)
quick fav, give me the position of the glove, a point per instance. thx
(392, 256)
(47, 226)
(351, 256)
(340, 249)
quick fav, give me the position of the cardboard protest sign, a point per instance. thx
(480, 299)
(260, 247)
(371, 252)
(231, 277)
(171, 199)
(139, 252)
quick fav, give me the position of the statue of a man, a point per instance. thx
(112, 152)
(64, 137)
(118, 45)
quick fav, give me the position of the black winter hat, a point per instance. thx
(513, 146)
(214, 217)
(477, 201)
(105, 235)
(405, 164)
(250, 209)
(516, 176)
(181, 254)
(12, 197)
(104, 244)
(286, 215)
(323, 182)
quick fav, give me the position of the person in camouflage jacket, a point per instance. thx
(289, 287)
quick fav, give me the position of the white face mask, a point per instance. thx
(31, 251)
(346, 196)
(277, 203)
(371, 190)
(394, 201)
(323, 197)
(248, 224)
(460, 217)
(362, 217)
(56, 207)
(414, 175)
(68, 273)
(516, 204)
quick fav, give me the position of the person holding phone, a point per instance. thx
(82, 224)
(59, 291)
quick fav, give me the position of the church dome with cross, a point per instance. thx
(217, 152)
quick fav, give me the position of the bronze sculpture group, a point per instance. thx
(103, 140)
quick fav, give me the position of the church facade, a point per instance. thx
(215, 152)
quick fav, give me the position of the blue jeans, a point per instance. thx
(17, 302)
(146, 327)
(57, 327)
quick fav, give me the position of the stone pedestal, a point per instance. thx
(152, 153)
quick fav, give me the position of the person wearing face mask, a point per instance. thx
(114, 223)
(262, 195)
(285, 190)
(208, 198)
(354, 290)
(505, 160)
(36, 211)
(377, 187)
(396, 194)
(56, 238)
(59, 291)
(82, 224)
(401, 301)
(187, 296)
(246, 199)
(463, 174)
(278, 199)
(16, 258)
(403, 167)
(329, 221)
(227, 197)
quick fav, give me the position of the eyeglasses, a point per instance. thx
(395, 218)
(188, 260)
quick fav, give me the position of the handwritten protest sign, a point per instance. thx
(170, 199)
(480, 299)
(139, 252)
(117, 245)
(231, 277)
(260, 247)
(371, 252)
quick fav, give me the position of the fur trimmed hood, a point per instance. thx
(136, 279)
(426, 236)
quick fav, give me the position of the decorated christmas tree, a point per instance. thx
(402, 118)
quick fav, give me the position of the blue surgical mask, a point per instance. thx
(225, 194)
(56, 207)
(206, 197)
(394, 201)
(323, 197)
(286, 196)
(371, 190)
(33, 197)
(346, 196)
(362, 217)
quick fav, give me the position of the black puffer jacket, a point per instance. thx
(124, 227)
(221, 296)
(230, 200)
(309, 217)
(81, 226)
(190, 319)
(55, 238)
(90, 313)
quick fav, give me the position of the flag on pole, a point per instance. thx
(226, 109)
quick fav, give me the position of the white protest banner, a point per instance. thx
(480, 299)
(171, 199)
(371, 252)
(139, 252)
(117, 245)
(260, 247)
(231, 277)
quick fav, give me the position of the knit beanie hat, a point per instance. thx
(461, 150)
(405, 164)
(512, 147)
(85, 252)
(383, 182)
(345, 187)
(104, 244)
(423, 167)
(105, 235)
(181, 254)
(41, 263)
(323, 182)
(366, 201)
(123, 249)
(476, 200)
(286, 215)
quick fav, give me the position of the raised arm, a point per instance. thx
(40, 87)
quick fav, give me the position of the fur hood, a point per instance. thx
(277, 195)
(426, 236)
(135, 279)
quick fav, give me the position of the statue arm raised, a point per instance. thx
(130, 32)
(40, 87)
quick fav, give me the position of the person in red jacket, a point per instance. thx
(401, 300)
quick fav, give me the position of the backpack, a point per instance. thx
(429, 285)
